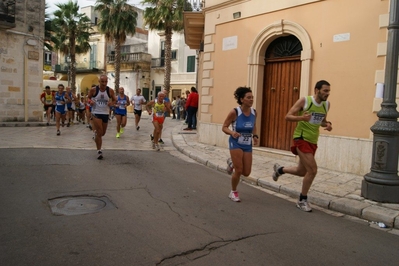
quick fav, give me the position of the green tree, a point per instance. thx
(72, 34)
(117, 21)
(166, 16)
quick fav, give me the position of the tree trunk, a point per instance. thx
(72, 64)
(168, 57)
(117, 64)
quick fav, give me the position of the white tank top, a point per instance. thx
(100, 103)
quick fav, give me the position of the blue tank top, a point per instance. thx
(121, 108)
(59, 98)
(243, 125)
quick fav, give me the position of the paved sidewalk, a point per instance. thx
(331, 191)
(335, 191)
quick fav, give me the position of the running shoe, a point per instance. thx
(157, 147)
(152, 137)
(304, 206)
(137, 128)
(161, 141)
(58, 133)
(230, 166)
(68, 124)
(118, 135)
(63, 124)
(153, 145)
(121, 130)
(100, 155)
(234, 196)
(276, 174)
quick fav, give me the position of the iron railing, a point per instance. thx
(130, 57)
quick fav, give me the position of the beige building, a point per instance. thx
(21, 60)
(281, 49)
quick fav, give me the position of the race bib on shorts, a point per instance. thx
(159, 114)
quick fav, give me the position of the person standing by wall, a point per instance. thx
(192, 108)
(178, 107)
(312, 115)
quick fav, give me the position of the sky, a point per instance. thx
(82, 3)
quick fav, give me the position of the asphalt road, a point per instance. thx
(168, 211)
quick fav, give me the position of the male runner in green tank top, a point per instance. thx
(312, 114)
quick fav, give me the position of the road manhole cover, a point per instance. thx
(77, 205)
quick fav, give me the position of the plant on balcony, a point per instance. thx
(117, 21)
(167, 16)
(72, 33)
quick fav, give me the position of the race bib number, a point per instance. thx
(245, 139)
(159, 114)
(316, 118)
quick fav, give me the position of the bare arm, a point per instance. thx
(327, 124)
(229, 119)
(292, 113)
(255, 137)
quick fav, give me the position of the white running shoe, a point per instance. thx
(304, 206)
(276, 174)
(234, 196)
(100, 155)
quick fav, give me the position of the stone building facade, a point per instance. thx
(21, 59)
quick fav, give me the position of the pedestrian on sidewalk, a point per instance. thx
(312, 114)
(243, 130)
(101, 97)
(121, 111)
(192, 108)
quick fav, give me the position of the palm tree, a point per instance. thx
(72, 34)
(117, 21)
(166, 16)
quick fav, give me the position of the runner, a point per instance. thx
(60, 107)
(167, 103)
(101, 97)
(70, 104)
(121, 112)
(243, 130)
(47, 98)
(157, 108)
(138, 100)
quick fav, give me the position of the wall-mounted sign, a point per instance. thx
(33, 55)
(229, 43)
(343, 37)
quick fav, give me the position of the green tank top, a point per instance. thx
(309, 131)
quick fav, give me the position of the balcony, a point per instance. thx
(7, 14)
(194, 21)
(130, 61)
(81, 67)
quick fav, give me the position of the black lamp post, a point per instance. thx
(382, 183)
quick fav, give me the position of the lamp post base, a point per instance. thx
(380, 193)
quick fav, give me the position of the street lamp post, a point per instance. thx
(382, 183)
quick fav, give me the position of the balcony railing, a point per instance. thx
(80, 66)
(194, 5)
(130, 58)
(157, 62)
(7, 14)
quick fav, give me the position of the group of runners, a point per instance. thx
(310, 113)
(95, 108)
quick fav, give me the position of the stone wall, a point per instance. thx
(21, 64)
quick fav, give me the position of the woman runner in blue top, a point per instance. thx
(242, 135)
(121, 112)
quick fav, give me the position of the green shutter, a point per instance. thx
(191, 63)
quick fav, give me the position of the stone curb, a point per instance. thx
(348, 206)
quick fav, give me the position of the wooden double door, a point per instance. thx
(280, 91)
